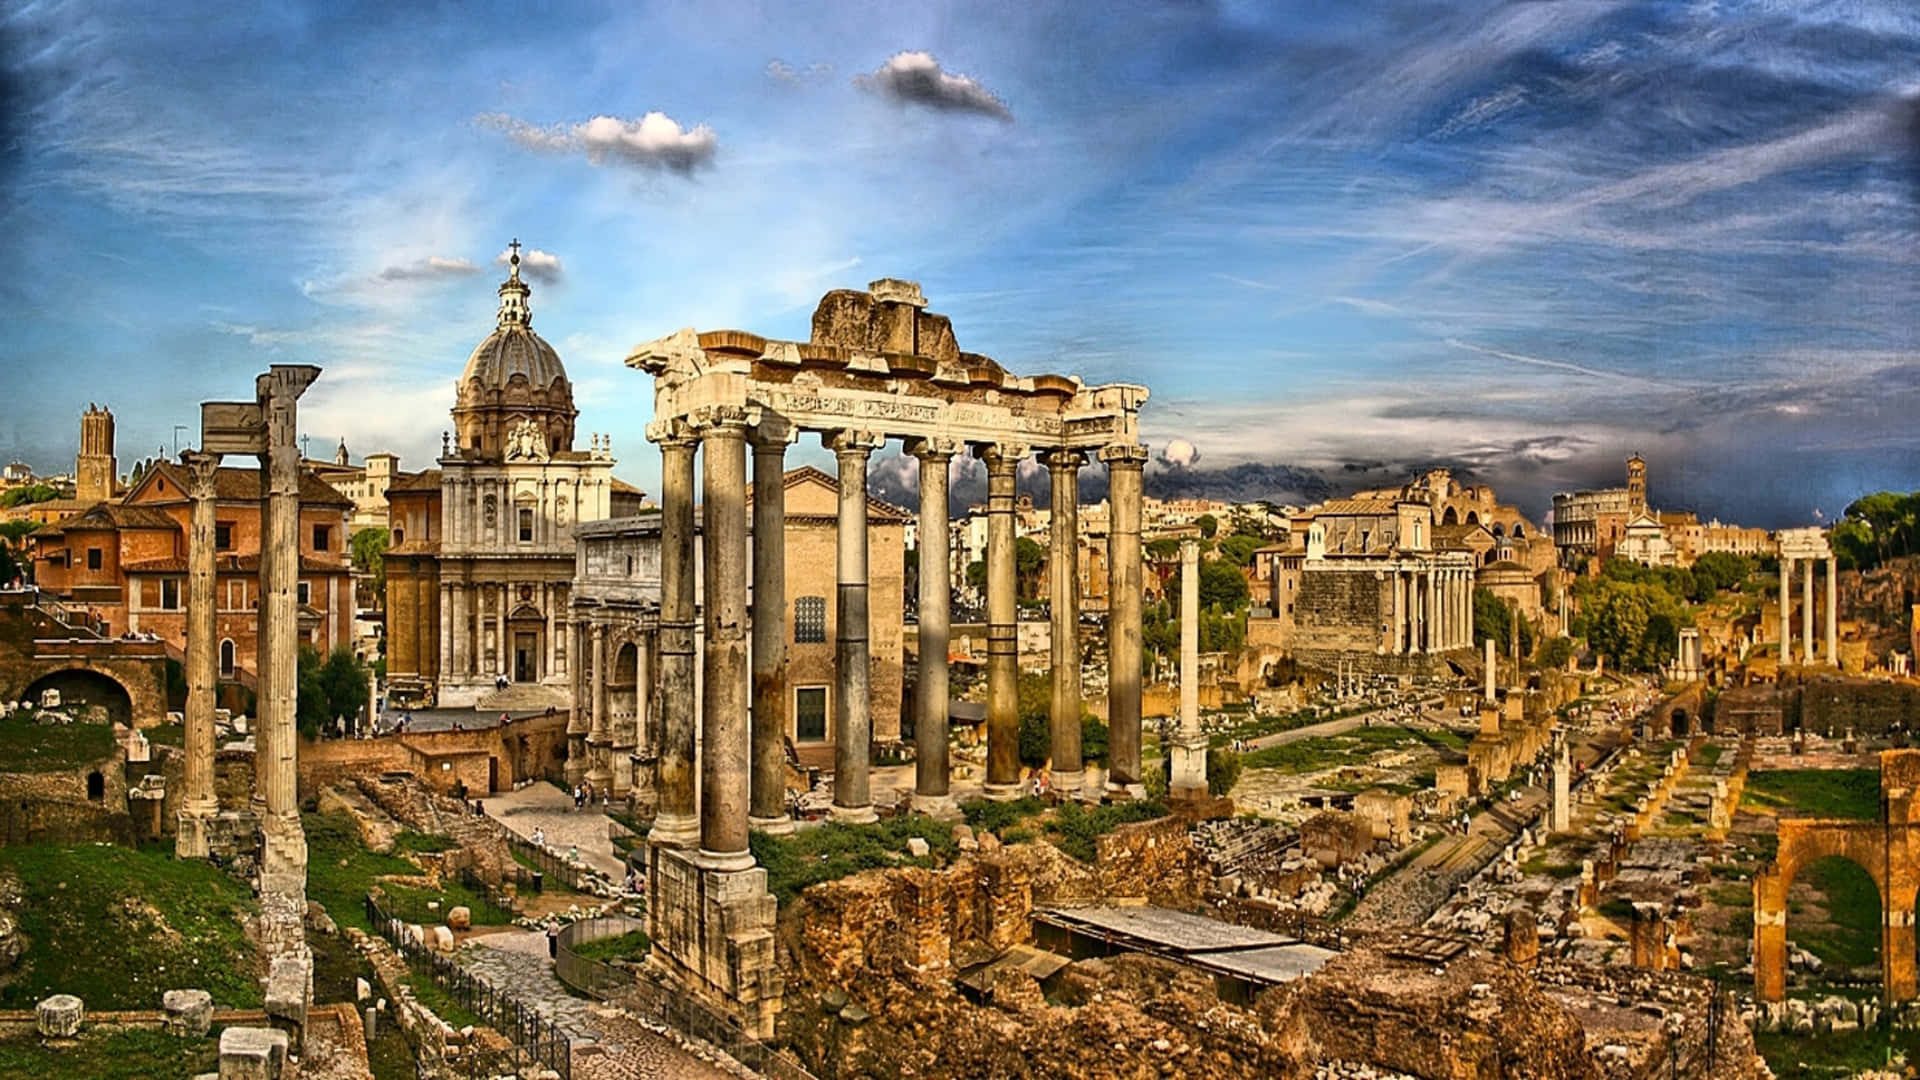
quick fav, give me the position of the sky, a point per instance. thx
(1338, 242)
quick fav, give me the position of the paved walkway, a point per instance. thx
(605, 1044)
(543, 806)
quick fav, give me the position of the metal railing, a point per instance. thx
(595, 978)
(684, 1013)
(537, 1041)
(551, 864)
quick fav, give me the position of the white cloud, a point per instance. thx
(786, 74)
(654, 141)
(916, 78)
(541, 266)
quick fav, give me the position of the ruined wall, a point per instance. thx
(53, 808)
(524, 749)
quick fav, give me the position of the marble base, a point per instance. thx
(712, 933)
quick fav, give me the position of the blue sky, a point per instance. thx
(1337, 241)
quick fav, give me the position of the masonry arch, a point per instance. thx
(622, 697)
(229, 658)
(1451, 517)
(1811, 842)
(83, 687)
(1473, 517)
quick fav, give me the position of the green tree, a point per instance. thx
(1164, 548)
(977, 574)
(30, 493)
(311, 713)
(1238, 549)
(1223, 771)
(1029, 563)
(1717, 571)
(1208, 525)
(344, 678)
(1555, 652)
(369, 552)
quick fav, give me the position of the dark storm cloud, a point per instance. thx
(916, 78)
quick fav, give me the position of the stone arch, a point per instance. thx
(1473, 517)
(1451, 517)
(623, 698)
(1519, 531)
(1804, 841)
(80, 686)
(1499, 531)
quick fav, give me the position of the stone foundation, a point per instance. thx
(713, 932)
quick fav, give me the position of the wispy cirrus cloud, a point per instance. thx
(430, 268)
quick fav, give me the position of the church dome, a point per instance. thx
(513, 376)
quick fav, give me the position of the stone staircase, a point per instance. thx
(522, 698)
(411, 803)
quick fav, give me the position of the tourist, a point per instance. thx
(633, 882)
(553, 939)
(505, 719)
(539, 837)
(573, 853)
(576, 797)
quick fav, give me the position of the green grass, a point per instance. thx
(174, 735)
(119, 1054)
(340, 870)
(27, 747)
(1826, 793)
(1852, 901)
(442, 1003)
(997, 817)
(1348, 748)
(1540, 864)
(631, 945)
(1710, 754)
(1801, 1057)
(833, 851)
(119, 927)
(410, 841)
(1073, 828)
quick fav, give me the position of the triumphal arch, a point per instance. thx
(877, 366)
(1888, 850)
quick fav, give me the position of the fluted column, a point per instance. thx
(931, 769)
(1786, 611)
(1806, 612)
(284, 863)
(725, 729)
(1833, 613)
(1063, 573)
(769, 780)
(677, 824)
(599, 736)
(852, 703)
(1003, 672)
(1399, 612)
(198, 803)
(1437, 588)
(1124, 476)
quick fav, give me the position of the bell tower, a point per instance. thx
(95, 469)
(1636, 487)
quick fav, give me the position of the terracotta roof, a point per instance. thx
(424, 480)
(1358, 506)
(243, 485)
(110, 516)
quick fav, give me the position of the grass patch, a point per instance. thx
(1826, 793)
(631, 945)
(1540, 864)
(1709, 755)
(442, 1003)
(1799, 1057)
(985, 815)
(1073, 829)
(833, 851)
(1348, 748)
(340, 870)
(118, 1054)
(119, 927)
(174, 735)
(27, 747)
(1852, 937)
(425, 843)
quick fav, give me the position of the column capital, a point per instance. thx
(933, 448)
(848, 441)
(1001, 455)
(773, 434)
(672, 431)
(201, 469)
(721, 418)
(1124, 456)
(1064, 458)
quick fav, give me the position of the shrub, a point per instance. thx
(1223, 771)
(1073, 828)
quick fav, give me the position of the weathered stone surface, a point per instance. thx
(248, 1053)
(189, 1012)
(440, 939)
(459, 918)
(289, 982)
(59, 1016)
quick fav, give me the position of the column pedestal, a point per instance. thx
(713, 933)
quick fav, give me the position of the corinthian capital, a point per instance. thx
(201, 468)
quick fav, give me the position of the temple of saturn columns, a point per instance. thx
(878, 366)
(1807, 547)
(267, 428)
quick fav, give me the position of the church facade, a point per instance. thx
(480, 569)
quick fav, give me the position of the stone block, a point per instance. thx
(189, 1012)
(249, 1053)
(441, 939)
(917, 847)
(289, 985)
(59, 1016)
(460, 918)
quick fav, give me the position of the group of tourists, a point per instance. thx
(583, 797)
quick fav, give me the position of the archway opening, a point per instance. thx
(1833, 926)
(86, 695)
(621, 692)
(1451, 517)
(96, 786)
(1682, 724)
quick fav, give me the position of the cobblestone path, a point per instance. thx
(606, 1044)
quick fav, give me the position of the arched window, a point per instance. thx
(226, 658)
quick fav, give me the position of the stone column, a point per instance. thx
(1399, 612)
(931, 794)
(283, 867)
(1003, 671)
(768, 809)
(1437, 589)
(676, 825)
(198, 804)
(462, 631)
(1786, 611)
(1063, 573)
(599, 737)
(1562, 819)
(725, 730)
(1491, 697)
(1124, 591)
(1188, 753)
(445, 651)
(1806, 612)
(1833, 612)
(852, 702)
(578, 722)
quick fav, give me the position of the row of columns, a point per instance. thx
(742, 768)
(1431, 611)
(1831, 655)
